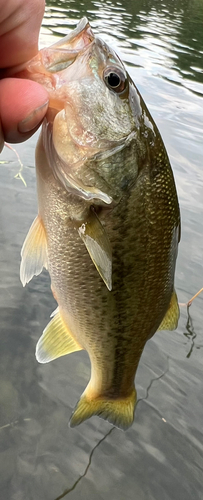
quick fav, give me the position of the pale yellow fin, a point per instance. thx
(119, 412)
(55, 341)
(98, 245)
(170, 320)
(34, 252)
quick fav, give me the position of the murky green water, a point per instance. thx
(161, 456)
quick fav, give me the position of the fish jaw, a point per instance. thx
(62, 53)
(45, 67)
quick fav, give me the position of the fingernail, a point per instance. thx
(32, 120)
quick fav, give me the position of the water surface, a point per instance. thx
(161, 456)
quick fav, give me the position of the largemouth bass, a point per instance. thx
(108, 224)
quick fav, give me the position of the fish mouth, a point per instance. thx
(64, 52)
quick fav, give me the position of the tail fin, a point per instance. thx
(119, 412)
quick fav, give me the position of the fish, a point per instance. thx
(108, 223)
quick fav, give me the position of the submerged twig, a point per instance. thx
(194, 297)
(87, 467)
(189, 325)
(154, 380)
(19, 174)
(191, 335)
(14, 423)
(188, 304)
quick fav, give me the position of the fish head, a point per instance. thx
(93, 114)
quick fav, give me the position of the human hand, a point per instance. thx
(23, 103)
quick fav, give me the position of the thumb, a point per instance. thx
(23, 105)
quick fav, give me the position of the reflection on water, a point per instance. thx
(190, 333)
(161, 456)
(168, 35)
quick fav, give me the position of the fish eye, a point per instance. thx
(115, 79)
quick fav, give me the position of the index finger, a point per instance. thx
(20, 22)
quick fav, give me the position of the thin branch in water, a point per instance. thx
(14, 423)
(154, 380)
(194, 297)
(19, 174)
(188, 304)
(87, 467)
(191, 335)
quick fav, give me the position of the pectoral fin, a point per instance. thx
(98, 245)
(34, 252)
(170, 320)
(55, 341)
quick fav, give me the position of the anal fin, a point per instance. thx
(34, 252)
(170, 320)
(55, 341)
